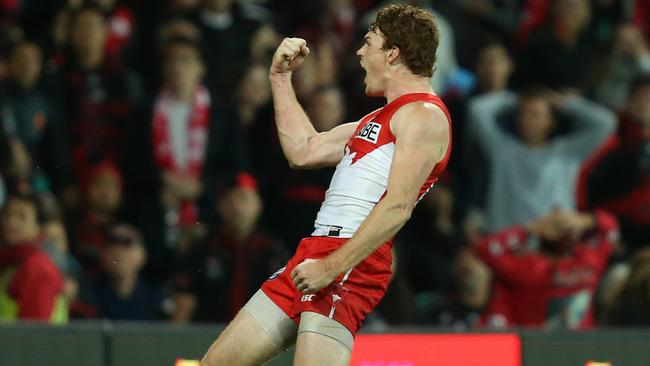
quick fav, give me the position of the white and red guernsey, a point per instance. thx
(361, 178)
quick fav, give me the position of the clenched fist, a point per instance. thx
(289, 55)
(311, 276)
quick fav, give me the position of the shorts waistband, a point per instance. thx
(330, 230)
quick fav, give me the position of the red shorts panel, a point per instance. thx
(348, 299)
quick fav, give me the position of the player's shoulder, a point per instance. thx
(423, 116)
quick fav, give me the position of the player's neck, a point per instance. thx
(406, 83)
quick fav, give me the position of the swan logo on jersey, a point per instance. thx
(370, 132)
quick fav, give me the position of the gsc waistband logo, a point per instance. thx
(370, 132)
(307, 298)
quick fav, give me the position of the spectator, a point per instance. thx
(217, 277)
(100, 93)
(492, 70)
(31, 285)
(102, 204)
(619, 178)
(534, 171)
(461, 309)
(120, 292)
(148, 59)
(253, 94)
(559, 55)
(551, 287)
(32, 119)
(628, 59)
(186, 143)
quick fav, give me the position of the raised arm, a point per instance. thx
(592, 123)
(483, 113)
(302, 145)
(421, 140)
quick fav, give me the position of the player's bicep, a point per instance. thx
(327, 148)
(421, 141)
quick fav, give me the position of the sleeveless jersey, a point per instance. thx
(361, 177)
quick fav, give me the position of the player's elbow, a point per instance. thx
(294, 164)
(299, 158)
(299, 163)
(308, 157)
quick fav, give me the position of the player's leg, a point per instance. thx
(322, 341)
(259, 332)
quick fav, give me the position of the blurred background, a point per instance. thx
(141, 177)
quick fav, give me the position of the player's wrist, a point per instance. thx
(331, 268)
(279, 76)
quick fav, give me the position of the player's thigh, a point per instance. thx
(322, 341)
(259, 332)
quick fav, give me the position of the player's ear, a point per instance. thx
(392, 55)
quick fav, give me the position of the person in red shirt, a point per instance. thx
(31, 285)
(552, 286)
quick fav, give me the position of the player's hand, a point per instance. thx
(289, 55)
(311, 276)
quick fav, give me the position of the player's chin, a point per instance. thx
(373, 92)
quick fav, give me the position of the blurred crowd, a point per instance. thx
(141, 177)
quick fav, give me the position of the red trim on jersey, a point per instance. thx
(360, 147)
